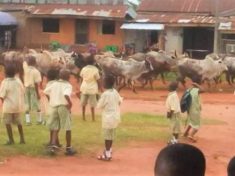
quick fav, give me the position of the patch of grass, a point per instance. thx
(87, 136)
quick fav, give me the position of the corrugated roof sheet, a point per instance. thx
(107, 11)
(189, 6)
(176, 18)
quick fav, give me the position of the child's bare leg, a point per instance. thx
(69, 150)
(84, 113)
(58, 141)
(108, 144)
(10, 134)
(93, 113)
(20, 129)
(51, 134)
(68, 138)
(187, 131)
(194, 131)
(175, 135)
(54, 137)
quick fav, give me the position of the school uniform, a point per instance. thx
(12, 91)
(59, 115)
(31, 77)
(194, 113)
(89, 86)
(173, 104)
(110, 104)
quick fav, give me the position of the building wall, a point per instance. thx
(101, 40)
(67, 32)
(29, 33)
(174, 39)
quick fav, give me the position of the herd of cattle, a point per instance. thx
(141, 67)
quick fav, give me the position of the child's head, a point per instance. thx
(231, 167)
(180, 160)
(109, 81)
(52, 74)
(90, 60)
(31, 60)
(173, 86)
(64, 74)
(10, 71)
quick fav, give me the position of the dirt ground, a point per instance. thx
(137, 159)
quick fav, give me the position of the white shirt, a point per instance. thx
(90, 75)
(12, 91)
(173, 103)
(110, 104)
(31, 75)
(57, 91)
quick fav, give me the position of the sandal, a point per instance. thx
(103, 157)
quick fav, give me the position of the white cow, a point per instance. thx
(203, 70)
(131, 70)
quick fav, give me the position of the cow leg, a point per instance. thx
(133, 86)
(232, 79)
(151, 83)
(163, 78)
(228, 78)
(122, 86)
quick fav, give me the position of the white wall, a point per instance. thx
(174, 39)
(138, 37)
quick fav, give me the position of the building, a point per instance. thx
(181, 25)
(71, 22)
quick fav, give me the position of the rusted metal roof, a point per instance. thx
(104, 11)
(176, 19)
(185, 6)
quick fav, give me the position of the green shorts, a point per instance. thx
(31, 99)
(90, 99)
(11, 118)
(175, 123)
(59, 118)
(109, 134)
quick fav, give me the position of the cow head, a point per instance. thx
(222, 67)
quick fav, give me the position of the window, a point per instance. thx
(51, 25)
(81, 31)
(108, 27)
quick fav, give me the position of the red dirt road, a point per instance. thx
(217, 142)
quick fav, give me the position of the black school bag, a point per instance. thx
(186, 101)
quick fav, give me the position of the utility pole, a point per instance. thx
(216, 31)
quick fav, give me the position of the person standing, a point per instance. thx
(173, 112)
(109, 103)
(32, 80)
(89, 87)
(12, 96)
(58, 94)
(194, 112)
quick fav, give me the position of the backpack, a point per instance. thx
(186, 101)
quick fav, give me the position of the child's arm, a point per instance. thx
(2, 99)
(37, 90)
(69, 106)
(102, 102)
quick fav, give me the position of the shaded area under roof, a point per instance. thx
(7, 19)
